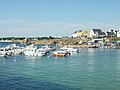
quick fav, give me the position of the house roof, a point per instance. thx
(98, 31)
(104, 33)
(111, 34)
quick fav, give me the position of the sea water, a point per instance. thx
(90, 69)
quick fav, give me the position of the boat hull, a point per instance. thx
(60, 54)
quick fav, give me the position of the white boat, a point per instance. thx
(13, 49)
(40, 53)
(69, 49)
(47, 48)
(12, 46)
(17, 51)
(60, 53)
(2, 52)
(33, 51)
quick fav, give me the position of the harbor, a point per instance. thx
(90, 69)
(65, 46)
(35, 50)
(62, 68)
(59, 45)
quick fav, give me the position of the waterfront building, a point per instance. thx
(111, 33)
(96, 33)
(118, 33)
(81, 34)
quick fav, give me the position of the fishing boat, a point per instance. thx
(60, 53)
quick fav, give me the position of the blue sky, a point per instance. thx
(56, 17)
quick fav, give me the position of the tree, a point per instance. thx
(116, 33)
(50, 37)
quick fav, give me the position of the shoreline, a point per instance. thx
(58, 42)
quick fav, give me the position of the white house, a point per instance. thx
(96, 33)
(118, 33)
(81, 34)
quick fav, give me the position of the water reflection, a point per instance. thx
(91, 69)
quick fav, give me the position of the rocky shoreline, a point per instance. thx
(60, 42)
(71, 42)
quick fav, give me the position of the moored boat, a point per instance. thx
(2, 52)
(33, 51)
(60, 53)
(69, 49)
